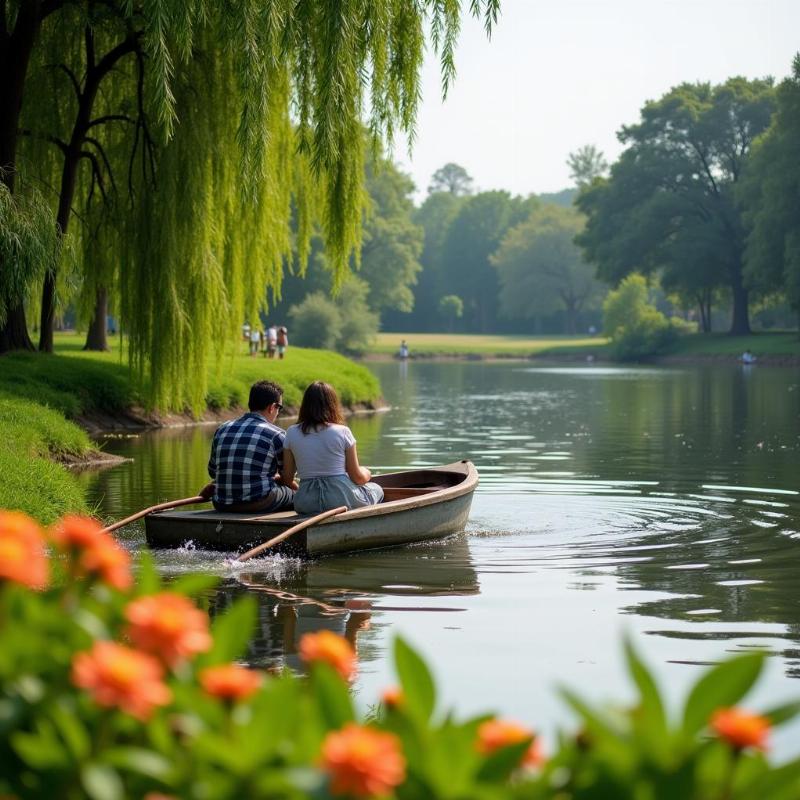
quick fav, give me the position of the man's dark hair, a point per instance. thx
(263, 394)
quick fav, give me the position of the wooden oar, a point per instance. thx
(186, 501)
(301, 526)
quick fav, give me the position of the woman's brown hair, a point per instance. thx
(320, 407)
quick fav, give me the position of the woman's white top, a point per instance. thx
(320, 453)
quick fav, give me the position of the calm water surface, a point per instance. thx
(658, 502)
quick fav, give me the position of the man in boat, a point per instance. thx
(247, 457)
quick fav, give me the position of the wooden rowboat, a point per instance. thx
(418, 505)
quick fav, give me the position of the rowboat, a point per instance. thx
(419, 505)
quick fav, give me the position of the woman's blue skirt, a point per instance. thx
(316, 495)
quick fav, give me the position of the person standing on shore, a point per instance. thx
(271, 341)
(323, 451)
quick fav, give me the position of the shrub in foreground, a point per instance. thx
(111, 689)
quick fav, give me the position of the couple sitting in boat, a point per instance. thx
(253, 461)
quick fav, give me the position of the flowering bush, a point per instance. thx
(111, 689)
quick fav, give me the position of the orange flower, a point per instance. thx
(230, 681)
(392, 697)
(740, 728)
(74, 532)
(363, 762)
(98, 553)
(168, 625)
(120, 677)
(330, 648)
(22, 552)
(495, 734)
(110, 561)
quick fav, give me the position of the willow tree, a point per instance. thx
(256, 107)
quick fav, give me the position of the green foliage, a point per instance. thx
(451, 178)
(542, 269)
(451, 307)
(226, 121)
(392, 242)
(316, 322)
(58, 741)
(345, 324)
(586, 164)
(636, 328)
(769, 193)
(669, 205)
(472, 237)
(29, 244)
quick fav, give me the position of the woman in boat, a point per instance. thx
(322, 449)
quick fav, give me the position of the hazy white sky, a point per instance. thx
(558, 74)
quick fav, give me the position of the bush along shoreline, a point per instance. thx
(48, 403)
(115, 689)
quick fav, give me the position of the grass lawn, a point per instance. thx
(428, 344)
(721, 344)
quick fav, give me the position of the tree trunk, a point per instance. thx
(14, 334)
(569, 319)
(96, 335)
(740, 322)
(15, 53)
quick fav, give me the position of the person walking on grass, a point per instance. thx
(322, 449)
(282, 341)
(272, 341)
(247, 458)
(255, 340)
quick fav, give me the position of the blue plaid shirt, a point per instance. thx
(245, 455)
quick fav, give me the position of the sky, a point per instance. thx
(559, 74)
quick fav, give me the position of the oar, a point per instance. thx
(186, 501)
(301, 526)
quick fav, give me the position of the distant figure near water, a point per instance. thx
(747, 357)
(282, 341)
(403, 351)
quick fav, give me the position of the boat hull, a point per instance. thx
(437, 513)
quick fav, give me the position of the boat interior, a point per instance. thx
(404, 485)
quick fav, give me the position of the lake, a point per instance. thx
(655, 502)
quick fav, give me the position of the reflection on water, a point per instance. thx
(659, 502)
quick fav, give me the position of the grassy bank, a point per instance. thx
(723, 345)
(34, 438)
(40, 393)
(426, 345)
(79, 383)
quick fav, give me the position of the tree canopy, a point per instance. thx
(770, 193)
(231, 117)
(541, 268)
(670, 202)
(452, 178)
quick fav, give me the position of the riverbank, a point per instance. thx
(49, 404)
(772, 349)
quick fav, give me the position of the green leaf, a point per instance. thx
(102, 782)
(39, 752)
(148, 581)
(415, 677)
(72, 731)
(332, 696)
(195, 584)
(233, 630)
(652, 715)
(499, 765)
(141, 761)
(720, 687)
(783, 713)
(776, 783)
